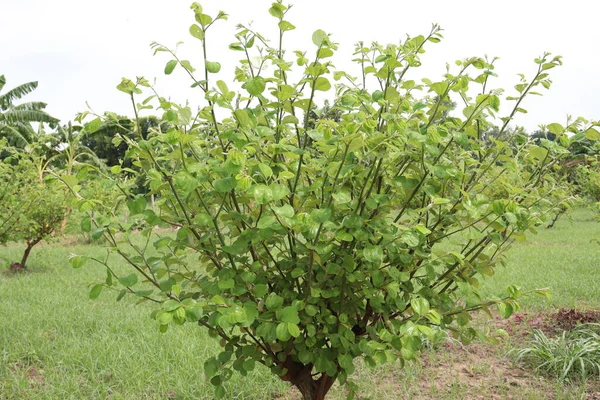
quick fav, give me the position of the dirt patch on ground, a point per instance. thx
(33, 375)
(567, 319)
(484, 371)
(476, 371)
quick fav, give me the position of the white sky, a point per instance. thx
(78, 50)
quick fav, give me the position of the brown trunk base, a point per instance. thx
(300, 376)
(16, 267)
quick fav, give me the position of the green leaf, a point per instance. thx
(344, 236)
(273, 301)
(373, 254)
(538, 152)
(293, 330)
(211, 367)
(282, 332)
(411, 238)
(187, 65)
(249, 365)
(289, 314)
(220, 392)
(171, 305)
(260, 290)
(226, 284)
(506, 309)
(197, 32)
(322, 84)
(78, 261)
(262, 194)
(194, 313)
(224, 185)
(137, 205)
(319, 37)
(242, 117)
(296, 272)
(285, 211)
(256, 86)
(213, 67)
(592, 134)
(95, 292)
(311, 310)
(236, 46)
(129, 280)
(279, 191)
(286, 26)
(276, 10)
(555, 128)
(167, 284)
(238, 247)
(203, 19)
(325, 52)
(265, 170)
(86, 224)
(122, 294)
(98, 233)
(93, 125)
(321, 215)
(439, 88)
(420, 305)
(170, 67)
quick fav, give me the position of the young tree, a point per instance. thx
(32, 206)
(305, 247)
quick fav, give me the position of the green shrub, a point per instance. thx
(305, 242)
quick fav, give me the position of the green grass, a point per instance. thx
(83, 349)
(55, 343)
(565, 259)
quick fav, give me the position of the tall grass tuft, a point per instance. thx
(573, 354)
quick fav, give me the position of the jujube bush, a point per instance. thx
(305, 243)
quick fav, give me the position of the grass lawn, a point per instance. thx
(55, 343)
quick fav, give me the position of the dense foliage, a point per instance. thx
(304, 243)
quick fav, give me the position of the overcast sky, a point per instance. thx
(78, 50)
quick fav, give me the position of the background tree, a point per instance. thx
(107, 138)
(15, 118)
(31, 209)
(71, 151)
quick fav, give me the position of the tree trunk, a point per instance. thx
(300, 375)
(21, 266)
(556, 217)
(27, 251)
(306, 385)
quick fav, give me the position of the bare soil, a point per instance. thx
(477, 371)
